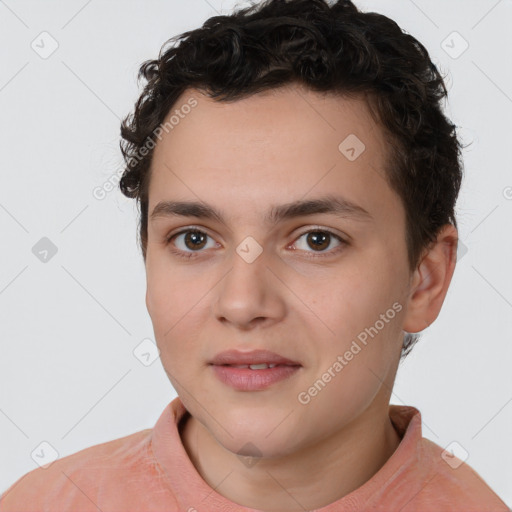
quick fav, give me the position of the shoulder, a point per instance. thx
(75, 481)
(452, 484)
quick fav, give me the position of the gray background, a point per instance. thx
(69, 325)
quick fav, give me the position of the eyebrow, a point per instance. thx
(332, 205)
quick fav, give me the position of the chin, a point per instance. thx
(264, 442)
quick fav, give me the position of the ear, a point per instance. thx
(431, 280)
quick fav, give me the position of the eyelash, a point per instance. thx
(194, 254)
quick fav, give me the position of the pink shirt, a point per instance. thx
(150, 471)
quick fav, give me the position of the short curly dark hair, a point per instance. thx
(327, 47)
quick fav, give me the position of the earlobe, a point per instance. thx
(431, 281)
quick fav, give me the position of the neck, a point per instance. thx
(340, 464)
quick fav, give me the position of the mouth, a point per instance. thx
(259, 366)
(252, 359)
(252, 371)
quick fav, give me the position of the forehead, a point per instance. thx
(271, 148)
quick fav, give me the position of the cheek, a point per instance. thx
(362, 309)
(169, 292)
(160, 301)
(352, 298)
(355, 362)
(177, 314)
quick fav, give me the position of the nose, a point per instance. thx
(250, 294)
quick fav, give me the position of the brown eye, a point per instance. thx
(319, 240)
(188, 242)
(195, 240)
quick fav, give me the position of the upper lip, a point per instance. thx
(235, 357)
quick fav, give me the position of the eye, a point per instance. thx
(320, 239)
(193, 241)
(188, 242)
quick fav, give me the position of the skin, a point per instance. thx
(243, 158)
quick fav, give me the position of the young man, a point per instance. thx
(297, 181)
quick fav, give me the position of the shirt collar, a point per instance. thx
(192, 492)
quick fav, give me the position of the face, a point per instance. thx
(326, 289)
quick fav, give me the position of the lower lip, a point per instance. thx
(245, 379)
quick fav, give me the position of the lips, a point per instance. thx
(254, 357)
